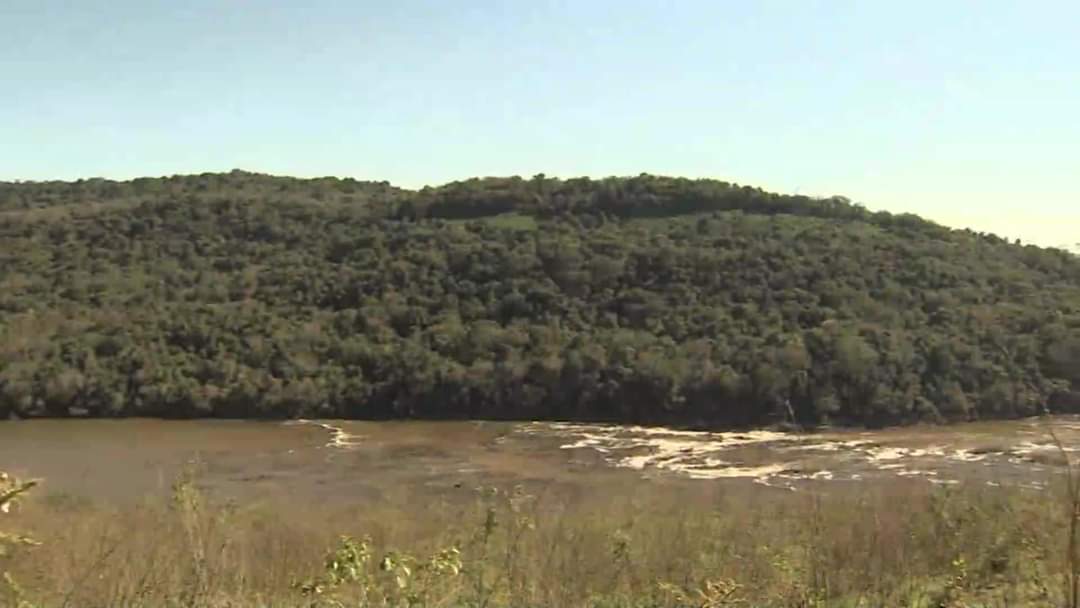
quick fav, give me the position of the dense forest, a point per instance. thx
(645, 299)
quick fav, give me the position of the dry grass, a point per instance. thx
(903, 545)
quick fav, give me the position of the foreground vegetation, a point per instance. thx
(644, 299)
(706, 546)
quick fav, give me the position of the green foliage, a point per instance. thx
(399, 580)
(645, 299)
(10, 491)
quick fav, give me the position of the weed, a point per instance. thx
(905, 545)
(11, 489)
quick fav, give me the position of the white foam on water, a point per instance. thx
(1027, 448)
(815, 476)
(763, 472)
(693, 453)
(879, 454)
(967, 456)
(916, 473)
(701, 454)
(768, 484)
(944, 482)
(339, 437)
(834, 446)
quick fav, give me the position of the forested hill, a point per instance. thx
(644, 299)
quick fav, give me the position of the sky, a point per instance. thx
(964, 112)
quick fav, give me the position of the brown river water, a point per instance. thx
(348, 461)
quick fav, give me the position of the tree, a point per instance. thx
(645, 298)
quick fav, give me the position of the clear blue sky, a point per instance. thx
(964, 112)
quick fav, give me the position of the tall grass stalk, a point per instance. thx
(909, 545)
(11, 490)
(1072, 508)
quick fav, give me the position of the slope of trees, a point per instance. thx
(643, 299)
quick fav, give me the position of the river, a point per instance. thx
(123, 460)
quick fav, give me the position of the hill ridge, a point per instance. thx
(642, 299)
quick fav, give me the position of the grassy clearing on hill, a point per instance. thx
(506, 221)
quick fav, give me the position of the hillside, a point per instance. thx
(644, 299)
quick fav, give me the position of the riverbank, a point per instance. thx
(907, 544)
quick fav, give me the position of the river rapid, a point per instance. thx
(351, 461)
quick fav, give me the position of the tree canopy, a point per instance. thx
(645, 299)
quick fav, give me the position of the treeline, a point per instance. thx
(645, 299)
(641, 196)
